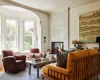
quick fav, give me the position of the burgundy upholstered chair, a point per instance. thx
(13, 63)
(34, 50)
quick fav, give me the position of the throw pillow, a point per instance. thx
(62, 59)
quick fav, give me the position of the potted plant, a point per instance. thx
(75, 43)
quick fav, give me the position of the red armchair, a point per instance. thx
(13, 63)
(34, 50)
(35, 53)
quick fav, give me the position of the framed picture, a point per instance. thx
(89, 26)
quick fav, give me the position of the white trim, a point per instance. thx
(3, 31)
(21, 35)
(16, 28)
(0, 33)
(32, 33)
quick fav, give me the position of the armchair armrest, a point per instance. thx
(21, 57)
(9, 59)
(59, 70)
(56, 73)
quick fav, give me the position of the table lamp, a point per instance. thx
(98, 41)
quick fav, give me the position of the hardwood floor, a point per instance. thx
(1, 70)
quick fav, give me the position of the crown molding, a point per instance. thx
(83, 4)
(25, 6)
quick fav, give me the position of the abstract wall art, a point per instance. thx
(89, 26)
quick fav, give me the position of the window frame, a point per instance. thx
(17, 31)
(24, 31)
(0, 33)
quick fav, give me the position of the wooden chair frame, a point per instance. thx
(83, 69)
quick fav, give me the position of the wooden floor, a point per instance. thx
(1, 70)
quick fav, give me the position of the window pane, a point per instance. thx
(11, 34)
(28, 30)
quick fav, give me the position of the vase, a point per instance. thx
(75, 46)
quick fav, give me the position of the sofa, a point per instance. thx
(81, 65)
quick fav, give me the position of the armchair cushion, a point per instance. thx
(34, 50)
(39, 55)
(9, 59)
(57, 69)
(21, 57)
(75, 55)
(32, 55)
(7, 53)
(45, 68)
(19, 61)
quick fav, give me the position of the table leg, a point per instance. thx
(30, 68)
(37, 71)
(42, 77)
(97, 78)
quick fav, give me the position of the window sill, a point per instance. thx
(21, 52)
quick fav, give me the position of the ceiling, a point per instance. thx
(2, 3)
(52, 5)
(14, 8)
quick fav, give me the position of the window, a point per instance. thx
(28, 34)
(11, 26)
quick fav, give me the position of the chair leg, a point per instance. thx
(42, 78)
(6, 71)
(97, 78)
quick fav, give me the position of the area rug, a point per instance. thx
(24, 75)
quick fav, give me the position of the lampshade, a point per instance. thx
(98, 39)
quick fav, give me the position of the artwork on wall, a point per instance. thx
(89, 26)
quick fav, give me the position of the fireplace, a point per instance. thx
(54, 46)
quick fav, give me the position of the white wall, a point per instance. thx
(59, 27)
(1, 62)
(44, 21)
(74, 21)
